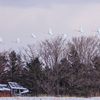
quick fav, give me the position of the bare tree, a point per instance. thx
(84, 57)
(51, 52)
(86, 47)
(28, 53)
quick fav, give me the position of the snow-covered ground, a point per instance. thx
(48, 98)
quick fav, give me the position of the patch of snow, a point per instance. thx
(25, 91)
(48, 98)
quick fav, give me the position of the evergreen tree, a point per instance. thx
(33, 76)
(14, 65)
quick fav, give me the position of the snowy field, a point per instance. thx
(48, 98)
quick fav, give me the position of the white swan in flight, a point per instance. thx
(50, 32)
(33, 35)
(64, 37)
(1, 40)
(98, 30)
(18, 40)
(81, 30)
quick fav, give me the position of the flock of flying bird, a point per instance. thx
(50, 33)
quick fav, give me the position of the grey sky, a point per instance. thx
(30, 3)
(20, 18)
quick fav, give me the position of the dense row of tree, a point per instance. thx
(55, 67)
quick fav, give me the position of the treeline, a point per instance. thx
(55, 67)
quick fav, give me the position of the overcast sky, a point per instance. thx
(20, 18)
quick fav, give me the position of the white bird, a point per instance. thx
(33, 35)
(63, 37)
(50, 32)
(18, 40)
(98, 30)
(81, 30)
(1, 40)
